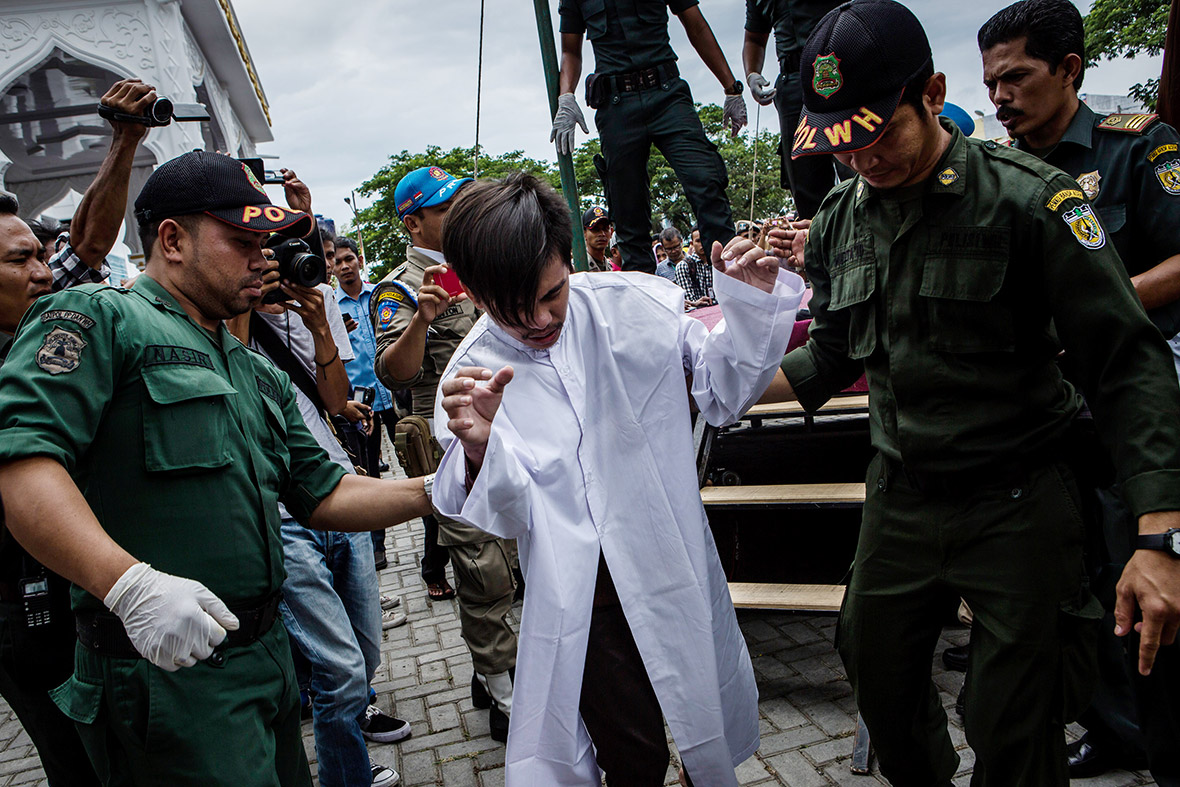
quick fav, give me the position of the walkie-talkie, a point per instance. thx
(34, 592)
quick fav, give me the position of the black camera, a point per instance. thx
(364, 394)
(161, 112)
(297, 264)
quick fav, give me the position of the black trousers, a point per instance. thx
(618, 704)
(32, 663)
(809, 178)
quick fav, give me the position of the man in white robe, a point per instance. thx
(587, 460)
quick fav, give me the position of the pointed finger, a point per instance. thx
(500, 380)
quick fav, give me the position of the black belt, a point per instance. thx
(103, 632)
(643, 79)
(790, 63)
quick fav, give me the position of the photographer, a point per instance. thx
(135, 429)
(330, 600)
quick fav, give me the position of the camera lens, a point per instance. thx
(161, 111)
(309, 270)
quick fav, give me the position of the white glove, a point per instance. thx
(733, 114)
(568, 113)
(173, 622)
(762, 91)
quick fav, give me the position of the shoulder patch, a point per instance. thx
(1161, 150)
(78, 318)
(1127, 123)
(1062, 196)
(167, 355)
(389, 301)
(1085, 226)
(61, 351)
(1168, 174)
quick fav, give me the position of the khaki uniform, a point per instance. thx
(482, 562)
(182, 442)
(954, 297)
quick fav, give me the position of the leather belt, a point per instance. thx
(103, 632)
(643, 79)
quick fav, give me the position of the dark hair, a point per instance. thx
(150, 231)
(326, 238)
(45, 230)
(1051, 29)
(672, 234)
(500, 235)
(916, 88)
(345, 242)
(8, 205)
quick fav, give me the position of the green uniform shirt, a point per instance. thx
(947, 297)
(181, 440)
(626, 35)
(391, 307)
(1128, 166)
(792, 22)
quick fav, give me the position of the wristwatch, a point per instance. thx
(735, 89)
(428, 484)
(1165, 542)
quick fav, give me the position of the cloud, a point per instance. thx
(353, 82)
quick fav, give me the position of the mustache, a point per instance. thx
(1005, 112)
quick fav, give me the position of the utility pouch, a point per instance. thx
(417, 450)
(596, 90)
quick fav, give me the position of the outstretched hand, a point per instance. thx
(471, 406)
(747, 263)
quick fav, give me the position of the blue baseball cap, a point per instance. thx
(424, 188)
(959, 117)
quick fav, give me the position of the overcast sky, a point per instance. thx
(353, 82)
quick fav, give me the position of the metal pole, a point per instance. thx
(565, 163)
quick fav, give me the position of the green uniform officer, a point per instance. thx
(642, 101)
(162, 440)
(1128, 167)
(809, 178)
(951, 272)
(418, 326)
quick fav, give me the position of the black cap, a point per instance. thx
(854, 67)
(593, 216)
(217, 185)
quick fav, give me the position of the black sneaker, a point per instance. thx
(380, 728)
(384, 777)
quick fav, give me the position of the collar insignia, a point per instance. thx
(948, 176)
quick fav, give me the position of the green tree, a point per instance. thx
(385, 235)
(1125, 28)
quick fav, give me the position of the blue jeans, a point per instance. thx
(330, 607)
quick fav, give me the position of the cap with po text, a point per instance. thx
(219, 186)
(854, 67)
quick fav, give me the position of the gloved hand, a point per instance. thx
(762, 91)
(568, 113)
(733, 114)
(173, 622)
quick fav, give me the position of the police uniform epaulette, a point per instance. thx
(1127, 123)
(1030, 164)
(393, 274)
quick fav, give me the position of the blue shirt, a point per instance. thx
(364, 346)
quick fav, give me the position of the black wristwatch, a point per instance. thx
(1166, 542)
(735, 89)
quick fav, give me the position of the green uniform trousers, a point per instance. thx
(484, 585)
(628, 125)
(233, 723)
(1013, 550)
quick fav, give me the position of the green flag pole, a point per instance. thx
(565, 162)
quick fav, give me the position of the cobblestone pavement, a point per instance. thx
(807, 713)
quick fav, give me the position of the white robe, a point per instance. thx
(592, 449)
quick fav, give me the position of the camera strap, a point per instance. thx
(274, 346)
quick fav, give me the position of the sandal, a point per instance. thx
(439, 591)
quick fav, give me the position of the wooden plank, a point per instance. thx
(809, 598)
(784, 494)
(838, 404)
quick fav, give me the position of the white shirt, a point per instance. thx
(592, 450)
(290, 328)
